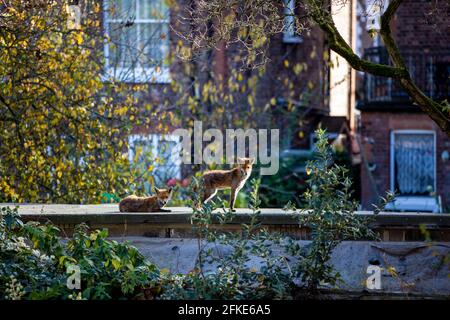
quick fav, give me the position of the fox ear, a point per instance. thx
(240, 160)
(251, 160)
(156, 189)
(170, 189)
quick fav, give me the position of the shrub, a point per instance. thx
(330, 215)
(231, 265)
(34, 260)
(224, 270)
(287, 185)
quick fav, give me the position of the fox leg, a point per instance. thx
(233, 195)
(209, 194)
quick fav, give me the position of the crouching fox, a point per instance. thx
(153, 203)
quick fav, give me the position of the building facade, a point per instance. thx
(296, 92)
(403, 150)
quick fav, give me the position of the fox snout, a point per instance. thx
(162, 202)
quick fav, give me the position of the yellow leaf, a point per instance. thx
(250, 100)
(298, 68)
(392, 271)
(164, 271)
(79, 38)
(116, 264)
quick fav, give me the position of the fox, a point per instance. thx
(233, 179)
(153, 203)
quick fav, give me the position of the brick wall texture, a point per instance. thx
(422, 25)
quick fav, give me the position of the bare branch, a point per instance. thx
(434, 109)
(320, 14)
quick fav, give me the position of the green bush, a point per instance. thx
(329, 213)
(34, 261)
(228, 275)
(286, 186)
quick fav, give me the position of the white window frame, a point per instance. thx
(153, 140)
(289, 35)
(392, 154)
(138, 75)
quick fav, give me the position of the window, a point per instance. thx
(160, 153)
(413, 162)
(290, 35)
(138, 46)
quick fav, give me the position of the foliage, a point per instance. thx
(223, 270)
(63, 124)
(34, 261)
(329, 214)
(250, 264)
(287, 185)
(214, 23)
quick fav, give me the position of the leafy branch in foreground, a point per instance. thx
(34, 261)
(330, 216)
(252, 24)
(233, 265)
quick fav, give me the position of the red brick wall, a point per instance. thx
(422, 23)
(310, 86)
(378, 126)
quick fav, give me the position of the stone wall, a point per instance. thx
(391, 226)
(406, 270)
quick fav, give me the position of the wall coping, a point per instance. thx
(109, 214)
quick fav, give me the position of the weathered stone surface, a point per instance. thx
(419, 267)
(392, 226)
(416, 267)
(109, 213)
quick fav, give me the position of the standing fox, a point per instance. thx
(147, 204)
(223, 179)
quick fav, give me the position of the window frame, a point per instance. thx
(392, 156)
(288, 8)
(139, 75)
(153, 139)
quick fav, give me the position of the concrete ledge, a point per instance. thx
(392, 226)
(420, 271)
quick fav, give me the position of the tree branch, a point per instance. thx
(434, 109)
(336, 43)
(319, 12)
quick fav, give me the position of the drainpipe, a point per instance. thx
(372, 181)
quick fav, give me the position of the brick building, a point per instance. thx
(403, 149)
(146, 34)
